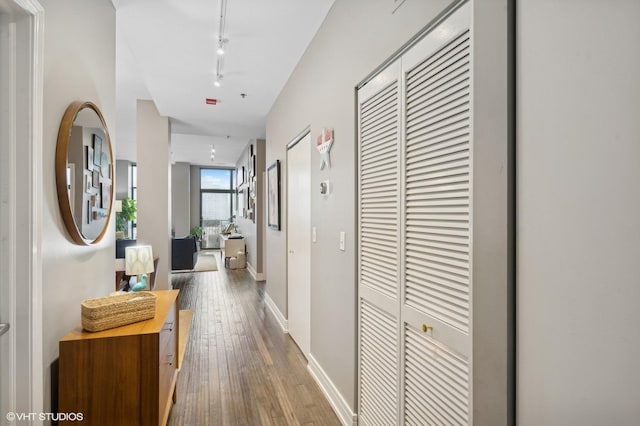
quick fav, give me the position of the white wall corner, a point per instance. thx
(282, 321)
(336, 400)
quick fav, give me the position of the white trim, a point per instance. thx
(28, 251)
(331, 392)
(282, 321)
(37, 358)
(251, 270)
(258, 276)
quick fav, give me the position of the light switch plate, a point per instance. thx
(342, 237)
(313, 235)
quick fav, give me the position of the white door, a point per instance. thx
(21, 387)
(299, 242)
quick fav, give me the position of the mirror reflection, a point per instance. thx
(88, 173)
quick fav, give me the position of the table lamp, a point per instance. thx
(138, 261)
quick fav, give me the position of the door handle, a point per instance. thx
(4, 328)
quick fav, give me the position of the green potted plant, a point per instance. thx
(196, 232)
(125, 216)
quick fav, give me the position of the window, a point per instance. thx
(216, 204)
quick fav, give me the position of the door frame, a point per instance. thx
(298, 138)
(26, 384)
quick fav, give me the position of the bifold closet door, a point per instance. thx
(379, 249)
(414, 233)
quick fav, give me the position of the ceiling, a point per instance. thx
(166, 51)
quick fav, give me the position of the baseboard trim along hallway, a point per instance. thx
(336, 400)
(282, 321)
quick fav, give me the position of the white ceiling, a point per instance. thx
(165, 51)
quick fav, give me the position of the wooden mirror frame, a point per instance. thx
(64, 133)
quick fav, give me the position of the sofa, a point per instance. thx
(184, 253)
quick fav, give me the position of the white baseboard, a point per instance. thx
(282, 321)
(343, 411)
(251, 270)
(258, 276)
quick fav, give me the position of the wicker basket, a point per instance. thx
(115, 311)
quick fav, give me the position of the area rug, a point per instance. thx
(186, 316)
(206, 262)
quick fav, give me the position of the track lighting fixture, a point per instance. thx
(221, 42)
(220, 49)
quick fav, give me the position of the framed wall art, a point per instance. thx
(88, 158)
(97, 150)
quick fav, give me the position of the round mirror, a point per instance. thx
(84, 172)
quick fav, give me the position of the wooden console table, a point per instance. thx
(125, 375)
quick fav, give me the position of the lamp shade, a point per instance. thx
(138, 260)
(118, 206)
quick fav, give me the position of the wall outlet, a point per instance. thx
(342, 238)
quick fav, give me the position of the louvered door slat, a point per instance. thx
(380, 140)
(443, 91)
(436, 381)
(451, 53)
(377, 232)
(432, 140)
(438, 103)
(378, 366)
(379, 178)
(427, 133)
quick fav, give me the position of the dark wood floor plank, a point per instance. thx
(239, 368)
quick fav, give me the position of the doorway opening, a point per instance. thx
(21, 364)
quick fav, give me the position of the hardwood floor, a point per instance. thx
(239, 368)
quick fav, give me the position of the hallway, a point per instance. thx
(239, 368)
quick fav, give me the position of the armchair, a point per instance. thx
(184, 253)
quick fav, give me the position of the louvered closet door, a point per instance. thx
(379, 249)
(436, 290)
(414, 233)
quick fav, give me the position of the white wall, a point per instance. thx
(79, 64)
(181, 199)
(578, 183)
(123, 183)
(153, 144)
(356, 37)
